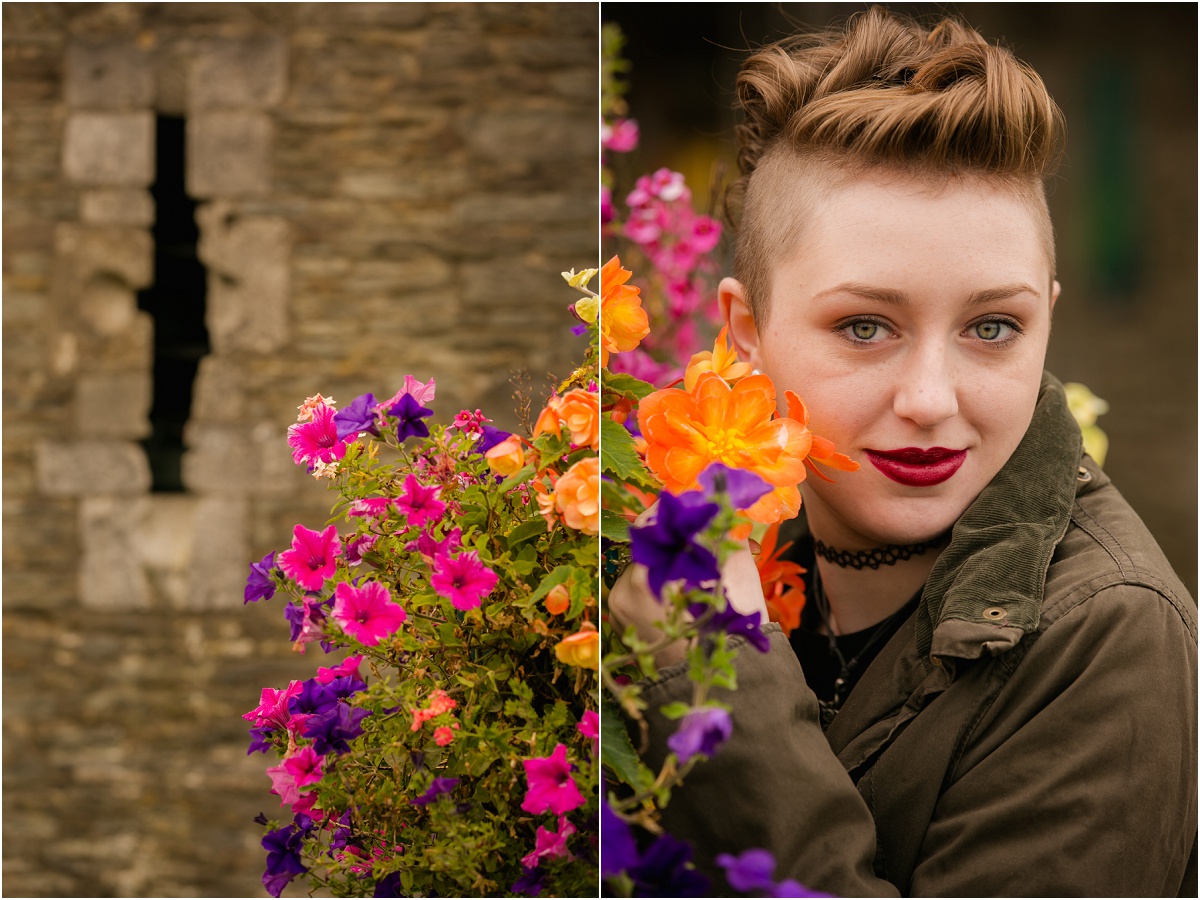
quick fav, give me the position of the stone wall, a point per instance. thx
(383, 189)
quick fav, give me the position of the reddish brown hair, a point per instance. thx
(883, 92)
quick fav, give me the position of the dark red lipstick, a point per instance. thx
(916, 467)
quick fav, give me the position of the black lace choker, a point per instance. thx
(876, 556)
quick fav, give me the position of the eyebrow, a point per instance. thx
(899, 298)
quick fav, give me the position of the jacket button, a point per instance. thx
(994, 612)
(1084, 476)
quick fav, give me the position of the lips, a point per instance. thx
(917, 467)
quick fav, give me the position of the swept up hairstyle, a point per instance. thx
(882, 92)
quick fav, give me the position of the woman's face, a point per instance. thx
(913, 322)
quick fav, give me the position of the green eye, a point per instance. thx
(864, 331)
(992, 331)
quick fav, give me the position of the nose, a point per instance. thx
(927, 393)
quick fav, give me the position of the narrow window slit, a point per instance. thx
(176, 301)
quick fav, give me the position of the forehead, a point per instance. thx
(877, 223)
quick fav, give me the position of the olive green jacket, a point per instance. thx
(1030, 731)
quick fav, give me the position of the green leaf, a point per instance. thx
(534, 528)
(618, 454)
(613, 526)
(626, 385)
(676, 710)
(517, 478)
(616, 750)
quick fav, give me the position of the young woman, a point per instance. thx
(993, 690)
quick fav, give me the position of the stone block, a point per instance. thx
(108, 74)
(111, 576)
(91, 467)
(113, 404)
(220, 554)
(228, 154)
(250, 73)
(530, 135)
(109, 149)
(217, 395)
(108, 306)
(248, 260)
(117, 206)
(84, 253)
(218, 459)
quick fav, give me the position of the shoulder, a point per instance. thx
(1108, 558)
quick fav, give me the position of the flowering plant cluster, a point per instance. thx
(689, 471)
(449, 747)
(659, 231)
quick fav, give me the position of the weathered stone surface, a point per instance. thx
(219, 459)
(86, 253)
(111, 576)
(245, 73)
(228, 154)
(113, 405)
(84, 468)
(114, 149)
(108, 306)
(108, 74)
(115, 206)
(220, 556)
(248, 280)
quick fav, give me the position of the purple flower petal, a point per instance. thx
(358, 416)
(667, 546)
(410, 413)
(742, 487)
(259, 585)
(703, 731)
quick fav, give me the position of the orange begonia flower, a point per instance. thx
(722, 359)
(546, 501)
(783, 588)
(548, 419)
(507, 457)
(822, 451)
(577, 496)
(580, 649)
(579, 410)
(623, 322)
(736, 425)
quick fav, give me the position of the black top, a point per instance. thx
(822, 665)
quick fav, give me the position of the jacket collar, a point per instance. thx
(985, 591)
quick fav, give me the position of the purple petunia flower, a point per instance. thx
(410, 413)
(743, 488)
(753, 872)
(663, 871)
(436, 789)
(313, 698)
(734, 624)
(530, 882)
(259, 740)
(333, 729)
(283, 857)
(389, 886)
(701, 731)
(490, 438)
(358, 416)
(620, 849)
(667, 546)
(259, 585)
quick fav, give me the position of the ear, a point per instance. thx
(735, 310)
(1055, 290)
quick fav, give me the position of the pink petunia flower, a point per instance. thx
(368, 614)
(462, 579)
(348, 666)
(550, 844)
(283, 783)
(422, 393)
(420, 503)
(272, 709)
(305, 766)
(316, 441)
(312, 558)
(589, 726)
(551, 786)
(430, 547)
(370, 507)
